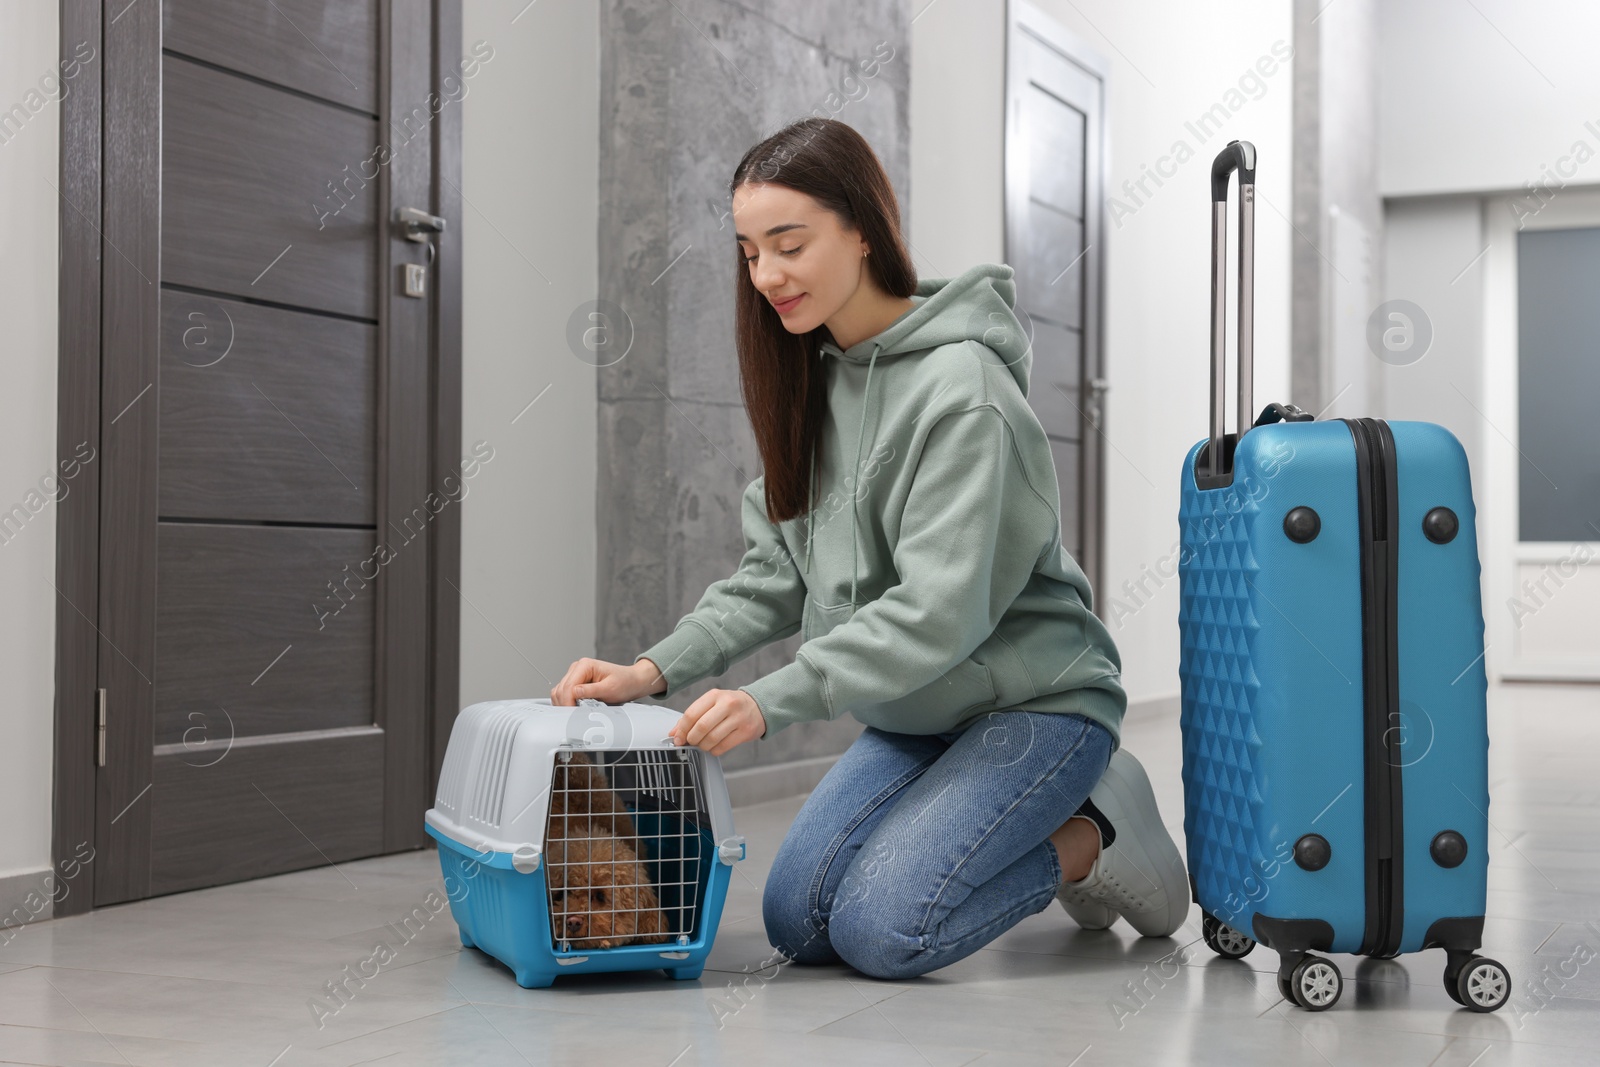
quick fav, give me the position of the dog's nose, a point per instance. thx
(575, 924)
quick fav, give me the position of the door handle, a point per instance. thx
(418, 223)
(1097, 389)
(418, 226)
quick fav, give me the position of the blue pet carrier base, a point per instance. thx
(492, 813)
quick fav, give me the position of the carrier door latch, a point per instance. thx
(731, 849)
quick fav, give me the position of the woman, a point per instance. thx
(908, 526)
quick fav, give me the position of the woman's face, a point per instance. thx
(794, 247)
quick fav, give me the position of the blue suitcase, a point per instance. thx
(1335, 735)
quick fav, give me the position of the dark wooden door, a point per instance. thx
(1054, 206)
(266, 539)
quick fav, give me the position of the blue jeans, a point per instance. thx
(915, 851)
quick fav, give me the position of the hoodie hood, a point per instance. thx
(973, 306)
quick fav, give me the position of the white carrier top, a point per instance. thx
(494, 789)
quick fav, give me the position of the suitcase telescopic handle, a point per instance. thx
(1240, 156)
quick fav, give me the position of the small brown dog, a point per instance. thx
(600, 892)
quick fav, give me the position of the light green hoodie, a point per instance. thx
(933, 588)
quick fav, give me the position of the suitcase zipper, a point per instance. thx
(1376, 491)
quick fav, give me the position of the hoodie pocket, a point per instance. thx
(816, 619)
(942, 702)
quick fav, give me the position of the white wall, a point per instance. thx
(531, 177)
(1169, 64)
(1486, 95)
(28, 175)
(957, 201)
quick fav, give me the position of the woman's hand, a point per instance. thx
(721, 720)
(613, 683)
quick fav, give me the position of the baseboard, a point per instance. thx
(25, 898)
(1171, 704)
(757, 785)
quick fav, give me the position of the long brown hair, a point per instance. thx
(780, 374)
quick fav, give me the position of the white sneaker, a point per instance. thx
(1140, 876)
(1086, 910)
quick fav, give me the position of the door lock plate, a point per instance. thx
(416, 280)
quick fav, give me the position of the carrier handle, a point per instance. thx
(1240, 156)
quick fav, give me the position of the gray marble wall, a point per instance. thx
(686, 88)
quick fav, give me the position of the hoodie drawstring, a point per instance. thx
(855, 490)
(812, 486)
(811, 513)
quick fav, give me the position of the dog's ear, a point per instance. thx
(572, 860)
(654, 922)
(647, 907)
(650, 921)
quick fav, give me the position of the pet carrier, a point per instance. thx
(577, 839)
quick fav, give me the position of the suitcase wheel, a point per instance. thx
(1481, 984)
(1223, 939)
(1316, 983)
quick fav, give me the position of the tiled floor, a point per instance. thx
(230, 975)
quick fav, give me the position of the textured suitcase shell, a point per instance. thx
(1271, 669)
(492, 807)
